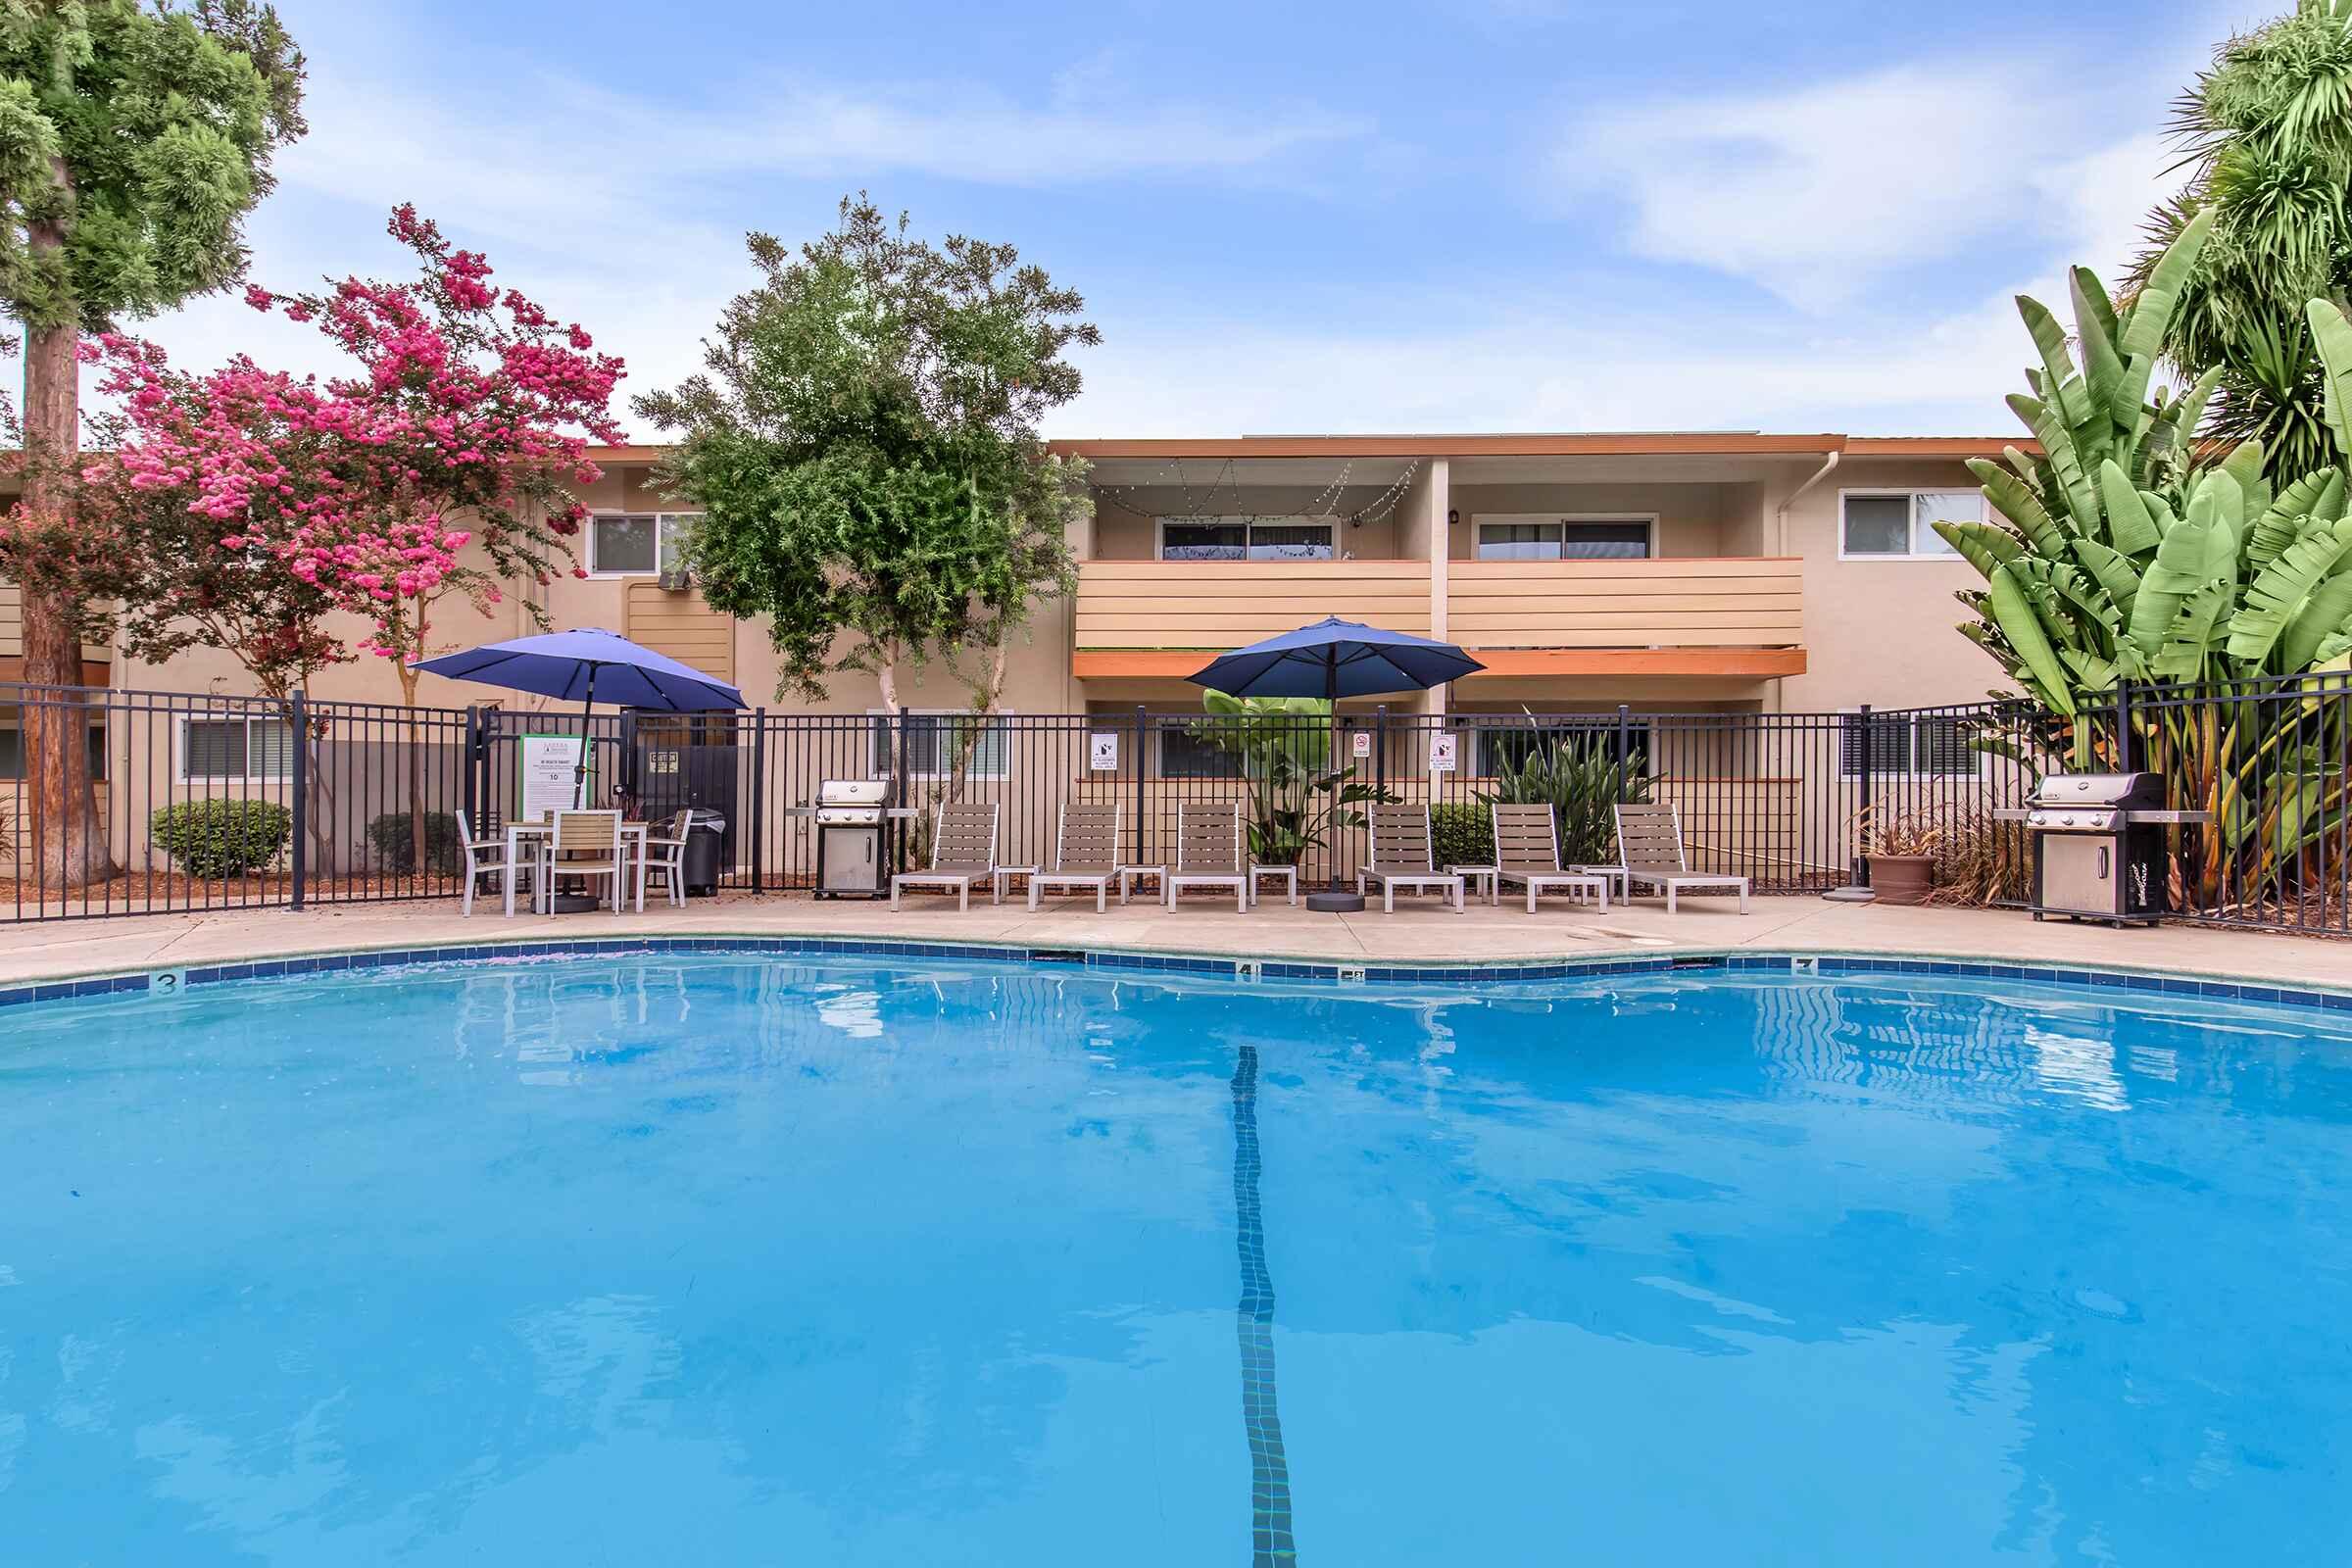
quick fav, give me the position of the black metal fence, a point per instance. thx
(210, 803)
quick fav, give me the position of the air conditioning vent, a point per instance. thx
(677, 580)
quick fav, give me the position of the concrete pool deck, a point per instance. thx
(1419, 932)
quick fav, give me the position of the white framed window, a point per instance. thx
(1557, 536)
(1900, 524)
(934, 737)
(1907, 746)
(215, 749)
(637, 544)
(1246, 539)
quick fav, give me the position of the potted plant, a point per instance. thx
(1900, 849)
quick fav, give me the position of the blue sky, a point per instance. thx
(1459, 215)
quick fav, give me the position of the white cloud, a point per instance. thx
(1816, 192)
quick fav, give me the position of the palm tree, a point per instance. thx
(2267, 134)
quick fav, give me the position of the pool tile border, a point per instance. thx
(1731, 960)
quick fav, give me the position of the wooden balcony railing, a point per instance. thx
(1227, 604)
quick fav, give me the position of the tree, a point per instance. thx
(442, 468)
(2268, 133)
(863, 448)
(132, 142)
(2129, 553)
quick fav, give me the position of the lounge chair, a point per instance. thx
(592, 840)
(487, 857)
(963, 850)
(1649, 849)
(1401, 859)
(1208, 853)
(1086, 855)
(1527, 851)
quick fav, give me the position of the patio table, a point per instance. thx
(632, 845)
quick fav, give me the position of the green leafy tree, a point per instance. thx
(2267, 134)
(863, 448)
(2129, 552)
(134, 141)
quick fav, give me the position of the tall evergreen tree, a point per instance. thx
(134, 141)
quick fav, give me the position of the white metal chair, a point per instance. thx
(590, 842)
(1650, 848)
(489, 858)
(666, 855)
(1208, 853)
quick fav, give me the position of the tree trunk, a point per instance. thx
(71, 847)
(414, 747)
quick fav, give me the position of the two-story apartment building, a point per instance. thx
(1689, 574)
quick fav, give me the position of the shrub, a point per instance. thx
(216, 838)
(1461, 835)
(394, 840)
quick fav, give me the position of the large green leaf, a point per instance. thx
(2296, 602)
(2142, 332)
(2316, 497)
(2014, 613)
(2332, 335)
(1983, 545)
(2061, 384)
(2129, 528)
(2065, 460)
(2183, 566)
(2013, 498)
(2118, 578)
(2197, 633)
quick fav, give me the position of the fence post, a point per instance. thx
(1380, 749)
(302, 796)
(899, 760)
(1142, 736)
(1869, 762)
(1625, 746)
(759, 791)
(2123, 725)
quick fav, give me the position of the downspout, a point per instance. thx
(1780, 541)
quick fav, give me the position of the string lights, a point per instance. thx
(1324, 507)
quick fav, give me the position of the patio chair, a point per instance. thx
(963, 850)
(1402, 857)
(487, 857)
(1650, 851)
(1086, 855)
(1208, 853)
(665, 854)
(592, 841)
(1527, 851)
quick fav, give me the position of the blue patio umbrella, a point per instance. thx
(587, 664)
(1331, 659)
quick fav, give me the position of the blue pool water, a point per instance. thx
(706, 1260)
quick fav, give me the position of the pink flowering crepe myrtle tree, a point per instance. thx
(444, 467)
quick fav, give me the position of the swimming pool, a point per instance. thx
(739, 1259)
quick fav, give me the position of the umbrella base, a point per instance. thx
(1335, 901)
(575, 903)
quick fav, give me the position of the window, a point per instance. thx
(1186, 755)
(12, 748)
(1515, 743)
(637, 544)
(1243, 539)
(1912, 744)
(1895, 524)
(235, 749)
(1530, 538)
(935, 740)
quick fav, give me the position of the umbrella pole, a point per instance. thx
(1335, 899)
(578, 902)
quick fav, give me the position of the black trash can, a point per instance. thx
(705, 835)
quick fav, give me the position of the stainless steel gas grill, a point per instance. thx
(2098, 846)
(850, 824)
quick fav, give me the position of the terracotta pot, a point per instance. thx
(1902, 878)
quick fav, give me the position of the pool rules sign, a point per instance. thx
(1102, 751)
(1444, 752)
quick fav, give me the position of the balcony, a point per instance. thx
(1159, 617)
(1669, 616)
(1723, 617)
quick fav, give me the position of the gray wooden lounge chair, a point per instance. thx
(963, 850)
(1086, 855)
(1401, 859)
(1208, 853)
(1650, 848)
(1527, 851)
